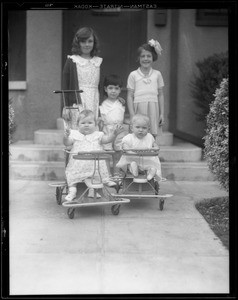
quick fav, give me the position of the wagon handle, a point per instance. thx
(67, 91)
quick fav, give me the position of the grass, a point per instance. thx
(216, 212)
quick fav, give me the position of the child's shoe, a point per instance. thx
(133, 169)
(151, 173)
(110, 183)
(159, 178)
(72, 193)
(91, 194)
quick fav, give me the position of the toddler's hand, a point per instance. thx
(67, 132)
(118, 129)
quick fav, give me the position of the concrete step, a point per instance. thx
(55, 137)
(48, 137)
(166, 139)
(186, 171)
(181, 152)
(28, 151)
(41, 170)
(49, 170)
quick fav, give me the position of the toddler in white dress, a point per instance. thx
(140, 138)
(86, 138)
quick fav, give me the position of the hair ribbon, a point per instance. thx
(156, 45)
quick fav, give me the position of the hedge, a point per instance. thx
(217, 135)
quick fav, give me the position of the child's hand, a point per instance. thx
(118, 129)
(67, 132)
(161, 120)
(155, 147)
(123, 101)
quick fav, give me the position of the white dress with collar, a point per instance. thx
(88, 71)
(79, 170)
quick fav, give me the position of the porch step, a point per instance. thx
(48, 137)
(40, 170)
(28, 151)
(49, 170)
(44, 158)
(55, 137)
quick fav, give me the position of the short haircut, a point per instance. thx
(149, 48)
(86, 113)
(140, 117)
(112, 79)
(81, 36)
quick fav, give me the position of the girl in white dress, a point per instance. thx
(112, 110)
(82, 71)
(86, 138)
(140, 138)
(145, 88)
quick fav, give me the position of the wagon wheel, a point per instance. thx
(161, 204)
(70, 213)
(115, 209)
(58, 194)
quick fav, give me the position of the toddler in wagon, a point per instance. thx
(140, 138)
(86, 138)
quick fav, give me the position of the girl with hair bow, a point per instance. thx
(145, 87)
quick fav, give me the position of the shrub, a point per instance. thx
(211, 72)
(11, 122)
(216, 139)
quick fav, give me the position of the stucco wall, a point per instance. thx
(38, 107)
(195, 43)
(162, 34)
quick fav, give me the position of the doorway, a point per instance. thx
(120, 34)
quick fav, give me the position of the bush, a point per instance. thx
(216, 140)
(211, 72)
(11, 122)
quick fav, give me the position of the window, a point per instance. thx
(17, 45)
(212, 17)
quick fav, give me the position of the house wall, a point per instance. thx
(195, 43)
(38, 107)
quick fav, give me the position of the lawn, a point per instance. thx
(216, 212)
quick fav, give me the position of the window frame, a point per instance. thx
(17, 58)
(212, 17)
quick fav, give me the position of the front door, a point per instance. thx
(120, 33)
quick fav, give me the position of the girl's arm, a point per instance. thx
(161, 106)
(130, 102)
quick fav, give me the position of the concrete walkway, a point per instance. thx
(142, 250)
